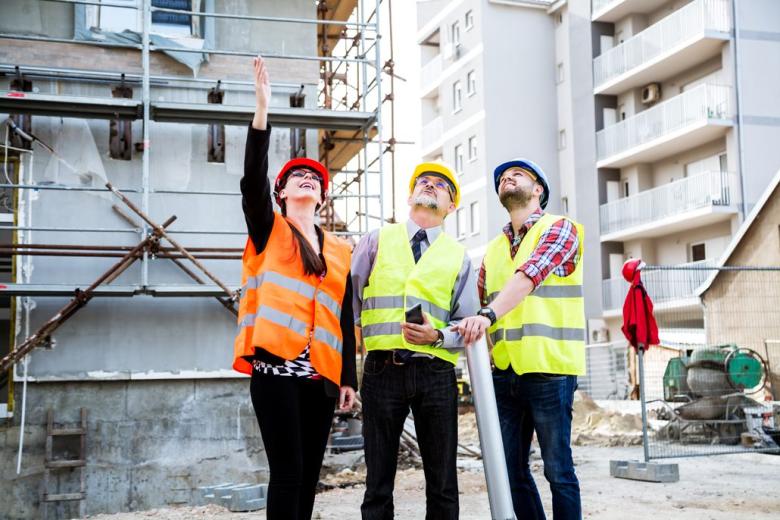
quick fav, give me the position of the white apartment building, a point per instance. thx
(658, 122)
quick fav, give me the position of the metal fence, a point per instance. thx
(607, 371)
(713, 385)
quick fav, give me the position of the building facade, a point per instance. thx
(654, 120)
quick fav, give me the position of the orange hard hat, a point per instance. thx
(301, 162)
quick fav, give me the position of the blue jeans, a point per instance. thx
(428, 387)
(541, 403)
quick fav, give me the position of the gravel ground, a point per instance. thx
(720, 487)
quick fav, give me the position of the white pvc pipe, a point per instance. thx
(493, 459)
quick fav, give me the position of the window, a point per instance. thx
(471, 83)
(469, 20)
(460, 222)
(457, 97)
(459, 159)
(626, 191)
(455, 35)
(698, 252)
(565, 205)
(561, 139)
(474, 210)
(559, 73)
(559, 19)
(473, 148)
(174, 25)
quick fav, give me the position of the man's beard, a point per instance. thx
(517, 197)
(426, 201)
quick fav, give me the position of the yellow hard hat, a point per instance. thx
(440, 170)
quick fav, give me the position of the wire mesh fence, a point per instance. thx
(713, 384)
(607, 371)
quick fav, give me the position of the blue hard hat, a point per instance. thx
(541, 178)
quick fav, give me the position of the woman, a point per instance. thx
(296, 330)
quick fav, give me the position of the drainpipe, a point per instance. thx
(738, 95)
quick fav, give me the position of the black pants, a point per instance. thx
(429, 388)
(295, 417)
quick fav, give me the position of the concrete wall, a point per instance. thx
(742, 307)
(149, 443)
(167, 413)
(520, 97)
(758, 65)
(581, 141)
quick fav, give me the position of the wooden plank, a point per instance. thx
(63, 497)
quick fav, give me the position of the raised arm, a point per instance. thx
(255, 186)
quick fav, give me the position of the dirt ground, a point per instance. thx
(718, 487)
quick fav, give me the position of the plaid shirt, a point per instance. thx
(557, 252)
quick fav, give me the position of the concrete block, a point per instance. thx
(645, 471)
(249, 498)
(209, 494)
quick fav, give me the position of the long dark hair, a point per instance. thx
(312, 262)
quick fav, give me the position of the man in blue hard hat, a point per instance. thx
(530, 288)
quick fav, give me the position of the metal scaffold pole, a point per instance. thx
(146, 95)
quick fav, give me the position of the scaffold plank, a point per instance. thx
(54, 290)
(108, 108)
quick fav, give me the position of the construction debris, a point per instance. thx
(592, 425)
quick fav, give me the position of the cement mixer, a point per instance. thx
(714, 383)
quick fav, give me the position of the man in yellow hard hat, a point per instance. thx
(411, 365)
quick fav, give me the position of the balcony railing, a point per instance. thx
(682, 25)
(698, 104)
(702, 190)
(430, 73)
(431, 133)
(662, 285)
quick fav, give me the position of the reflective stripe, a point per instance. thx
(550, 291)
(432, 309)
(558, 291)
(248, 320)
(292, 284)
(325, 336)
(282, 319)
(381, 329)
(332, 305)
(497, 335)
(537, 329)
(383, 302)
(397, 302)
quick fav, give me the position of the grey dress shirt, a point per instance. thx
(464, 294)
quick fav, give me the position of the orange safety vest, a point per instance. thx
(282, 309)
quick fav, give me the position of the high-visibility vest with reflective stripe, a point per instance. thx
(397, 283)
(282, 309)
(546, 331)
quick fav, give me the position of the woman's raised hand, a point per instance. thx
(262, 94)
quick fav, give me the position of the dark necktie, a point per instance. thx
(416, 244)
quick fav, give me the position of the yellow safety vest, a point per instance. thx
(546, 331)
(397, 283)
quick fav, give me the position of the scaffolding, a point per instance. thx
(347, 119)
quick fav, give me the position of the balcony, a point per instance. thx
(689, 203)
(614, 10)
(430, 141)
(693, 118)
(430, 76)
(687, 37)
(669, 289)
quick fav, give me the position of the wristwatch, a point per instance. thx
(488, 313)
(439, 342)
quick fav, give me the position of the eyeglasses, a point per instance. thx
(438, 184)
(302, 174)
